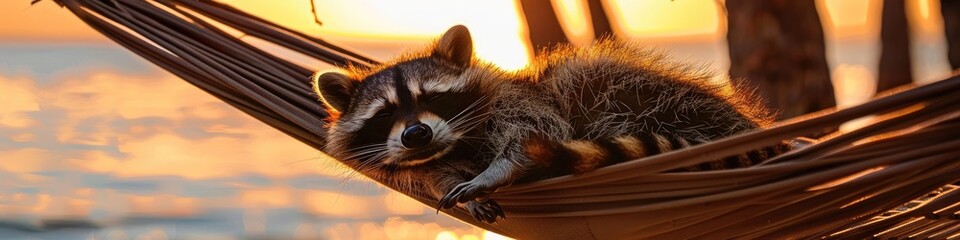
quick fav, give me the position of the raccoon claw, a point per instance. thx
(487, 211)
(462, 193)
(445, 203)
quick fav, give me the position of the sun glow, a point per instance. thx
(495, 26)
(663, 18)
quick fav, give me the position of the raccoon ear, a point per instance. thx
(335, 89)
(455, 46)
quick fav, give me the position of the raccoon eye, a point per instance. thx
(435, 97)
(383, 114)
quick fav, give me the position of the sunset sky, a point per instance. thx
(90, 131)
(497, 26)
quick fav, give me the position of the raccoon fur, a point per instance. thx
(442, 125)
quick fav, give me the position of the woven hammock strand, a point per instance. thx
(892, 178)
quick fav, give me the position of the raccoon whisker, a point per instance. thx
(378, 165)
(370, 164)
(471, 118)
(470, 123)
(465, 110)
(475, 142)
(379, 158)
(470, 107)
(480, 100)
(367, 147)
(474, 124)
(364, 166)
(474, 138)
(301, 160)
(365, 153)
(366, 157)
(469, 127)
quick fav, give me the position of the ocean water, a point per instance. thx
(96, 143)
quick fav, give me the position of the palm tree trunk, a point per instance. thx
(894, 69)
(542, 23)
(598, 16)
(778, 46)
(950, 9)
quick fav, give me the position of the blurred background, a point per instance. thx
(96, 143)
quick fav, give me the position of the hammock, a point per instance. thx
(892, 178)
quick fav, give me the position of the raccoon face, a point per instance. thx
(407, 114)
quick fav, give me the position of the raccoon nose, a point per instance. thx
(417, 135)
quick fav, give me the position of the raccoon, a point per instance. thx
(442, 125)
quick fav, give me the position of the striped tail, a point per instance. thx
(579, 156)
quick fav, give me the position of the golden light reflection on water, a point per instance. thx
(266, 197)
(400, 204)
(19, 99)
(400, 228)
(139, 134)
(446, 235)
(93, 103)
(163, 205)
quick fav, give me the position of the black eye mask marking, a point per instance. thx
(376, 131)
(434, 97)
(446, 105)
(386, 112)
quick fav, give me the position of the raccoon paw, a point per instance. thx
(485, 211)
(464, 192)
